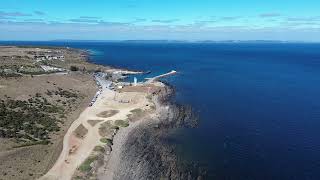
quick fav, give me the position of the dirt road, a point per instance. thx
(75, 149)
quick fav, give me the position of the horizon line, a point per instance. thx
(165, 40)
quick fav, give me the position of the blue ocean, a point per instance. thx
(259, 103)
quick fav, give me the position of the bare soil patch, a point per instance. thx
(148, 88)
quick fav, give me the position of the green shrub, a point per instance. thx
(121, 123)
(44, 142)
(137, 111)
(74, 68)
(99, 149)
(106, 141)
(86, 165)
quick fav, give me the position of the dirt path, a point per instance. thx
(75, 149)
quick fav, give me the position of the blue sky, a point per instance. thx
(160, 19)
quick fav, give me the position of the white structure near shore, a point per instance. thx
(51, 69)
(135, 81)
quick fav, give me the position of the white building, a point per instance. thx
(135, 81)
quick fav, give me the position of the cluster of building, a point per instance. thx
(102, 82)
(51, 69)
(40, 55)
(39, 58)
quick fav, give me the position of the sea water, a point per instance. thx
(259, 103)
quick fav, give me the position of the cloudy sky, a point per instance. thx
(160, 19)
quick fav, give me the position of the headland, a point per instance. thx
(80, 120)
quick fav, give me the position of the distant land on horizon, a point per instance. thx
(164, 41)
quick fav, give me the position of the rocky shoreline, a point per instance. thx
(141, 150)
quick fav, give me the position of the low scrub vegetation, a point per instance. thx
(74, 68)
(63, 93)
(99, 149)
(106, 141)
(121, 123)
(86, 165)
(80, 131)
(30, 121)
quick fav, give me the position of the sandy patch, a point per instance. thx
(148, 88)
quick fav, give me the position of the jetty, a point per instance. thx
(161, 76)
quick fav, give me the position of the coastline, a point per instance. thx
(125, 71)
(145, 108)
(114, 166)
(118, 162)
(140, 151)
(126, 104)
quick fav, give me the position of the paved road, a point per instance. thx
(104, 83)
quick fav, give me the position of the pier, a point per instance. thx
(161, 76)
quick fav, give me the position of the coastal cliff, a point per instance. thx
(142, 151)
(123, 134)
